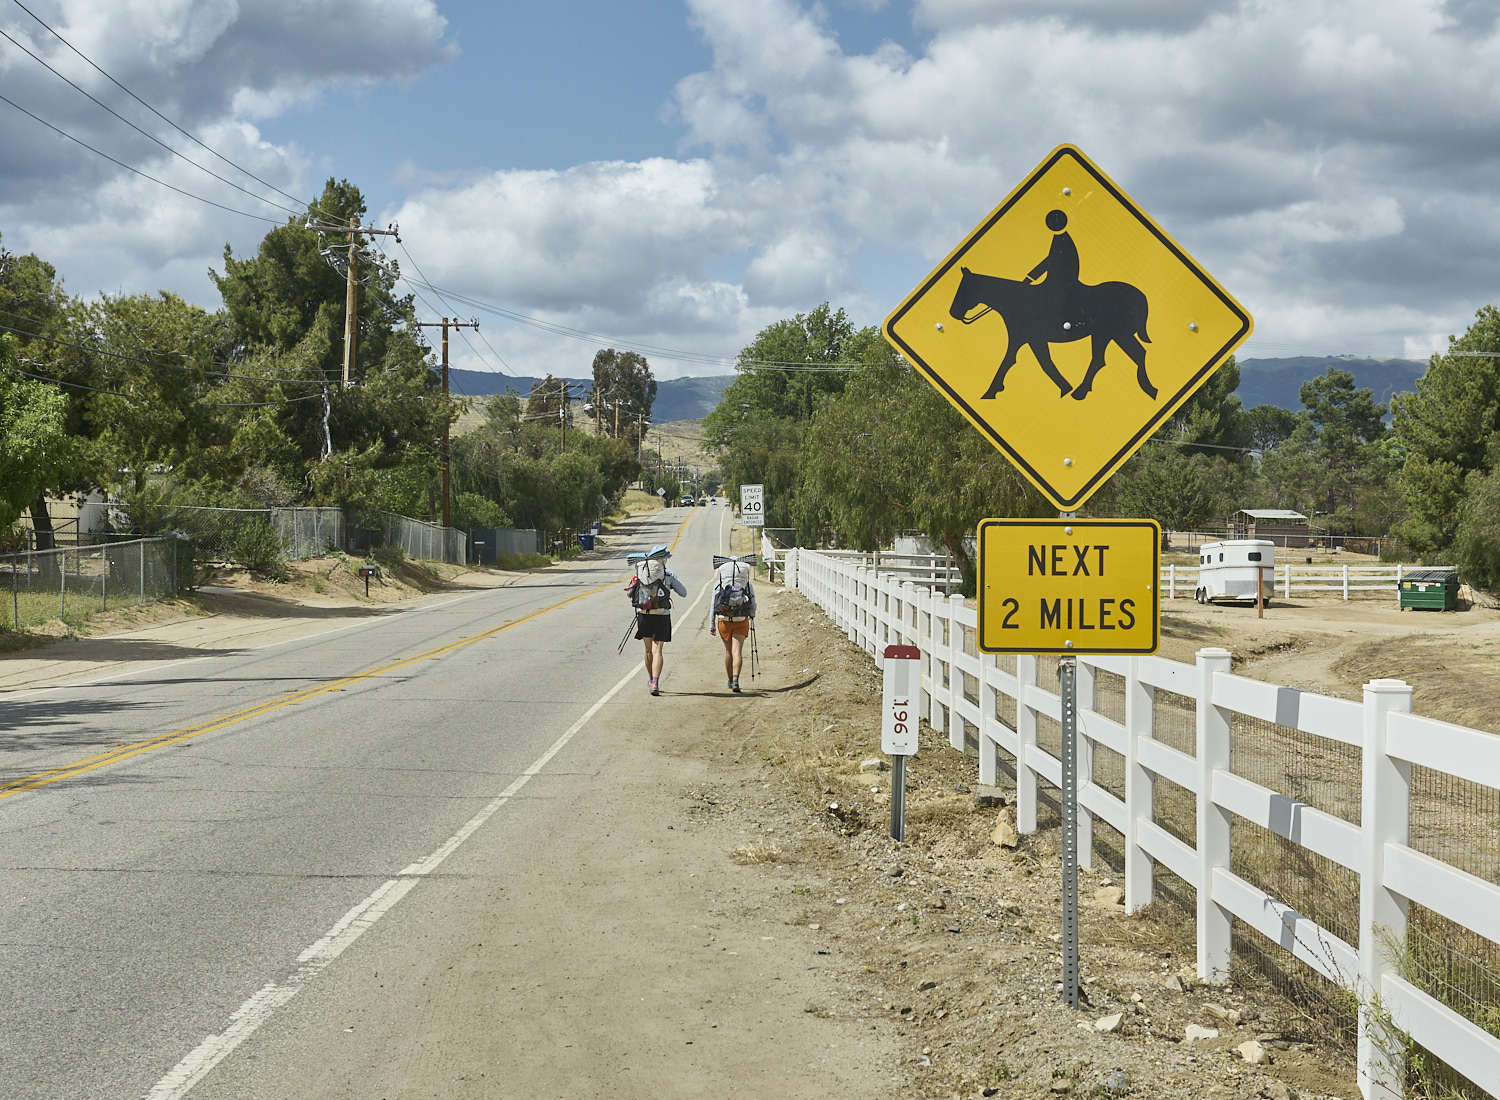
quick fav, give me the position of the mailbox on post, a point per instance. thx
(898, 724)
(367, 571)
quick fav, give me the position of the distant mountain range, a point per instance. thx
(1262, 382)
(1278, 381)
(676, 398)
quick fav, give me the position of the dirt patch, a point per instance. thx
(951, 939)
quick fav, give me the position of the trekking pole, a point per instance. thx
(754, 652)
(625, 639)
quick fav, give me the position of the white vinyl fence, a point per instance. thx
(1206, 740)
(1179, 581)
(933, 570)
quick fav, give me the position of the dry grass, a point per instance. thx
(760, 852)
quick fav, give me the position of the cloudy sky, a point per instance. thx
(678, 174)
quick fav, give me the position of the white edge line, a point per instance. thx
(246, 1019)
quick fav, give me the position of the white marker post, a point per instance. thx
(898, 726)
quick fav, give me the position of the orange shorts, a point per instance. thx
(729, 629)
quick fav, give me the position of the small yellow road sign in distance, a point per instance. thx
(1067, 327)
(1069, 585)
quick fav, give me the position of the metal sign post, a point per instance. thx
(1067, 687)
(898, 730)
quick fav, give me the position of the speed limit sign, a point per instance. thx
(753, 505)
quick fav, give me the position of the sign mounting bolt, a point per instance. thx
(1067, 530)
(1067, 462)
(1192, 326)
(939, 326)
(1068, 644)
(1067, 325)
(1067, 190)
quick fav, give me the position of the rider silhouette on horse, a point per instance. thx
(1050, 306)
(1059, 269)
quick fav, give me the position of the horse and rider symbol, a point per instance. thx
(1050, 306)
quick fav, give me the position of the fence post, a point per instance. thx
(938, 719)
(988, 752)
(1398, 586)
(104, 576)
(62, 585)
(143, 573)
(955, 674)
(1214, 923)
(1346, 582)
(924, 647)
(1287, 592)
(1171, 582)
(1384, 819)
(1140, 700)
(790, 570)
(1025, 742)
(1084, 699)
(15, 589)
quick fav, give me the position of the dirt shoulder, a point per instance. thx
(949, 940)
(234, 609)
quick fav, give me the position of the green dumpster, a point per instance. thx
(1430, 590)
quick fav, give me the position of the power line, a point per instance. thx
(422, 275)
(137, 171)
(674, 354)
(191, 137)
(144, 133)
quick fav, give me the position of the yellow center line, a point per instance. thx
(80, 767)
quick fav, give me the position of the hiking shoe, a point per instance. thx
(654, 684)
(734, 685)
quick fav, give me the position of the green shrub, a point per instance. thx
(255, 544)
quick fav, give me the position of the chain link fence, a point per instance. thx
(261, 538)
(417, 539)
(38, 586)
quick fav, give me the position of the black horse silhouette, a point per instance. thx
(1035, 317)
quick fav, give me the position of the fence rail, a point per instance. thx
(38, 586)
(1179, 581)
(937, 570)
(1222, 780)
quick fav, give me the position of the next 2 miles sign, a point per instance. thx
(1068, 585)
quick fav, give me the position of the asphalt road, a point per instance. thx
(184, 850)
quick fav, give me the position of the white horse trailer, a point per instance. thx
(1229, 570)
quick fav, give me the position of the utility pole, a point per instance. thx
(562, 417)
(351, 302)
(445, 324)
(351, 298)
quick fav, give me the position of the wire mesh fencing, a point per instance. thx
(262, 538)
(413, 537)
(71, 583)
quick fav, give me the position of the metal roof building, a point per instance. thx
(1284, 526)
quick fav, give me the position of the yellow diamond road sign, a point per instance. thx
(1068, 585)
(1068, 326)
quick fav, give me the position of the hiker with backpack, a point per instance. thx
(733, 611)
(650, 591)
